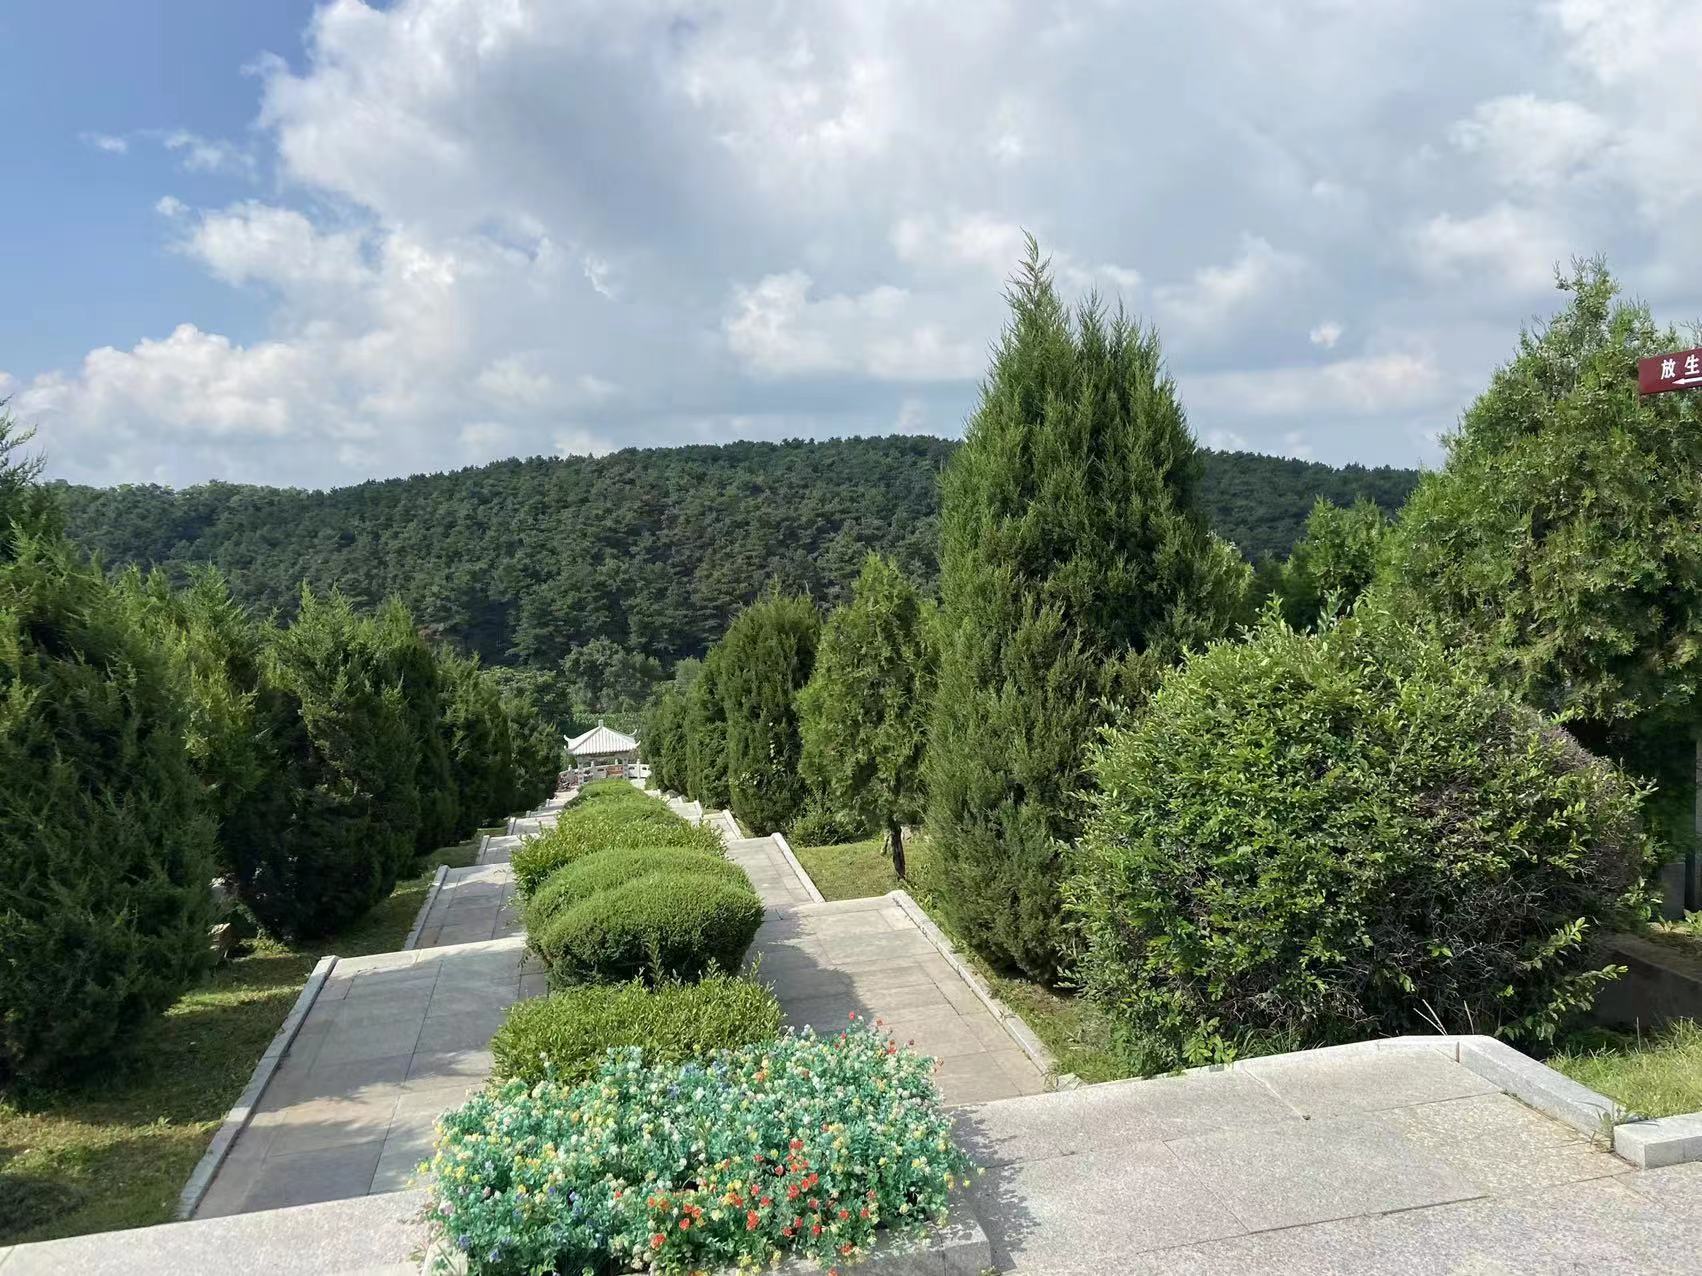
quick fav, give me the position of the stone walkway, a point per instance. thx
(473, 904)
(392, 1042)
(876, 958)
(1382, 1162)
(770, 872)
(871, 957)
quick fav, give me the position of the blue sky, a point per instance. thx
(311, 244)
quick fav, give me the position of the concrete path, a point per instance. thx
(770, 871)
(391, 1042)
(1380, 1163)
(473, 904)
(869, 957)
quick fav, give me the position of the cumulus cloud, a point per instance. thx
(1518, 246)
(776, 328)
(517, 227)
(1221, 295)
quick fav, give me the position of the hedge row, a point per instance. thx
(566, 1034)
(622, 889)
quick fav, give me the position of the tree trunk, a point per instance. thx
(1692, 875)
(895, 842)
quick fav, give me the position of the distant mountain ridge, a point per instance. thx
(653, 548)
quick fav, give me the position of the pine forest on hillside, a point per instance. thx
(521, 561)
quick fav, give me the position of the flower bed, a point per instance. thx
(801, 1147)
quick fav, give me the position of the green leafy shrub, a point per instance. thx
(576, 882)
(818, 824)
(593, 824)
(808, 1147)
(106, 840)
(1309, 839)
(657, 927)
(565, 1035)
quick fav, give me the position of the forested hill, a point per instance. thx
(654, 548)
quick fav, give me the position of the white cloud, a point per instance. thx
(199, 154)
(1220, 295)
(777, 329)
(1364, 386)
(108, 142)
(260, 243)
(673, 220)
(1520, 247)
(1527, 141)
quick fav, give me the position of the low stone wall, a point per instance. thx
(1660, 984)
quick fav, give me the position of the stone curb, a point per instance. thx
(1012, 1023)
(805, 878)
(425, 908)
(236, 1120)
(960, 1248)
(1659, 1141)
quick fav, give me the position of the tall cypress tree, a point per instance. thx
(481, 754)
(410, 663)
(328, 837)
(706, 735)
(1075, 563)
(864, 714)
(765, 660)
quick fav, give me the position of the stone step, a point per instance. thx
(361, 1236)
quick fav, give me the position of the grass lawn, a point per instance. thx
(1072, 1027)
(114, 1150)
(1657, 1075)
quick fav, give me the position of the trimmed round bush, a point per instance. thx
(566, 1034)
(1312, 839)
(608, 824)
(585, 877)
(662, 926)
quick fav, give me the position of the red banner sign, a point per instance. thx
(1681, 371)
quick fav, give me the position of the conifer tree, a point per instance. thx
(336, 828)
(216, 647)
(106, 843)
(411, 664)
(1075, 563)
(864, 713)
(663, 737)
(765, 660)
(1564, 536)
(481, 754)
(706, 735)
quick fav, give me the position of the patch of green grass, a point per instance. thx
(855, 870)
(113, 1149)
(1072, 1027)
(1653, 1075)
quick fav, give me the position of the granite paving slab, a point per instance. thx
(391, 1042)
(866, 957)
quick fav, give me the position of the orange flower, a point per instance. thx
(685, 1224)
(657, 1241)
(751, 1220)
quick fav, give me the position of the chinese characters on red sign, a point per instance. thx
(1665, 372)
